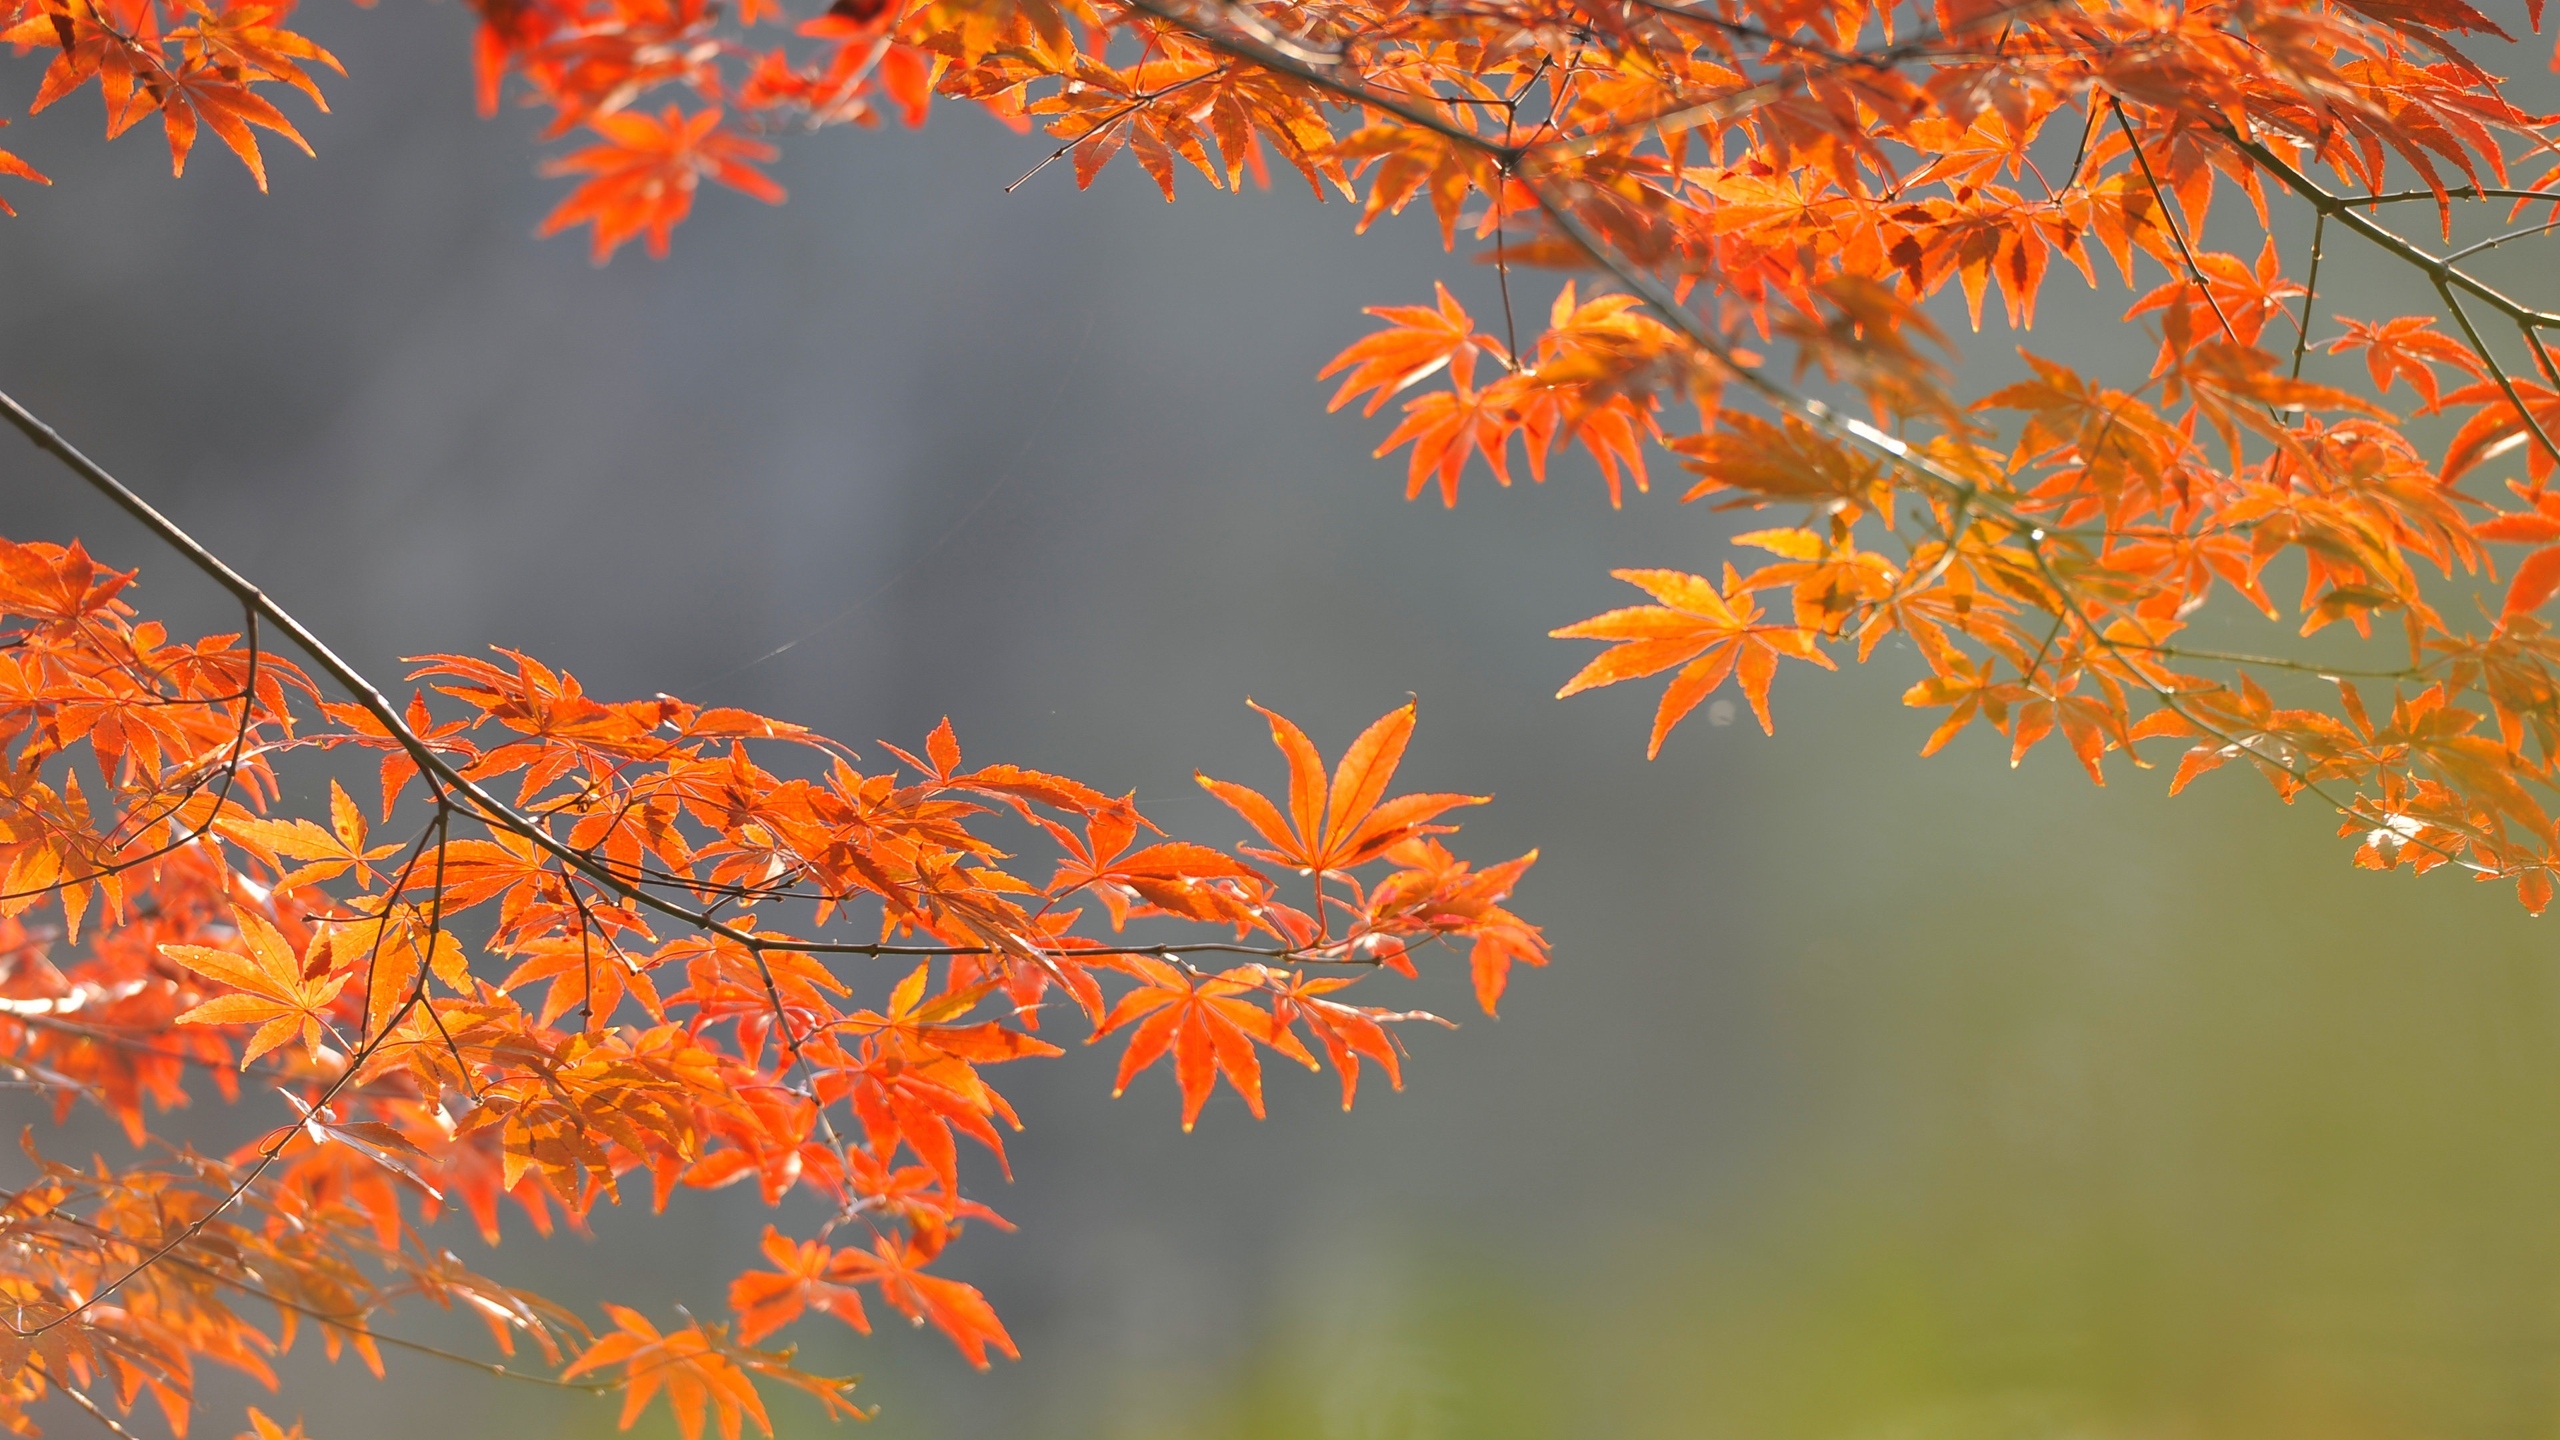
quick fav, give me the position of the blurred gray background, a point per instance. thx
(1866, 1097)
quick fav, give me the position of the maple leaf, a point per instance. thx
(588, 973)
(957, 1309)
(697, 1375)
(333, 851)
(12, 165)
(1334, 826)
(94, 42)
(2499, 427)
(1598, 364)
(1410, 162)
(206, 90)
(2406, 347)
(645, 173)
(1201, 1021)
(2233, 295)
(52, 848)
(242, 41)
(1783, 462)
(269, 988)
(1346, 1032)
(2536, 580)
(1444, 428)
(1420, 341)
(1455, 901)
(925, 1027)
(399, 767)
(262, 1428)
(1712, 635)
(1830, 580)
(801, 1280)
(1175, 877)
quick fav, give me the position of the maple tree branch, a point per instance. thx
(2310, 290)
(2248, 745)
(1509, 159)
(230, 766)
(2457, 192)
(382, 921)
(1793, 73)
(2497, 370)
(274, 1147)
(283, 1135)
(229, 769)
(2541, 355)
(2035, 662)
(1136, 103)
(95, 1413)
(1819, 414)
(452, 793)
(791, 1041)
(2169, 215)
(1271, 57)
(398, 1342)
(2495, 241)
(1502, 276)
(349, 1327)
(104, 1035)
(45, 438)
(2441, 271)
(439, 772)
(2079, 152)
(2271, 662)
(2343, 208)
(427, 966)
(1742, 30)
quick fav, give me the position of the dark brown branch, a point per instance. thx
(2343, 209)
(443, 778)
(2310, 291)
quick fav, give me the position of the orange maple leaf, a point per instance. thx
(646, 173)
(688, 1364)
(1332, 828)
(262, 1428)
(957, 1309)
(1208, 1029)
(12, 165)
(1711, 635)
(2406, 346)
(2500, 427)
(1418, 343)
(1346, 1032)
(806, 1280)
(269, 989)
(205, 90)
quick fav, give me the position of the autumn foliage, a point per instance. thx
(562, 950)
(556, 948)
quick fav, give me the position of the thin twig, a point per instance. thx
(101, 1416)
(2310, 290)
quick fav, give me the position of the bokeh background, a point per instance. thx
(1867, 1097)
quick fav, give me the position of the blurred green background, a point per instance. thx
(1868, 1097)
(2096, 1115)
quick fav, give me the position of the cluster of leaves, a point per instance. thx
(1800, 177)
(191, 63)
(1815, 180)
(688, 948)
(1809, 173)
